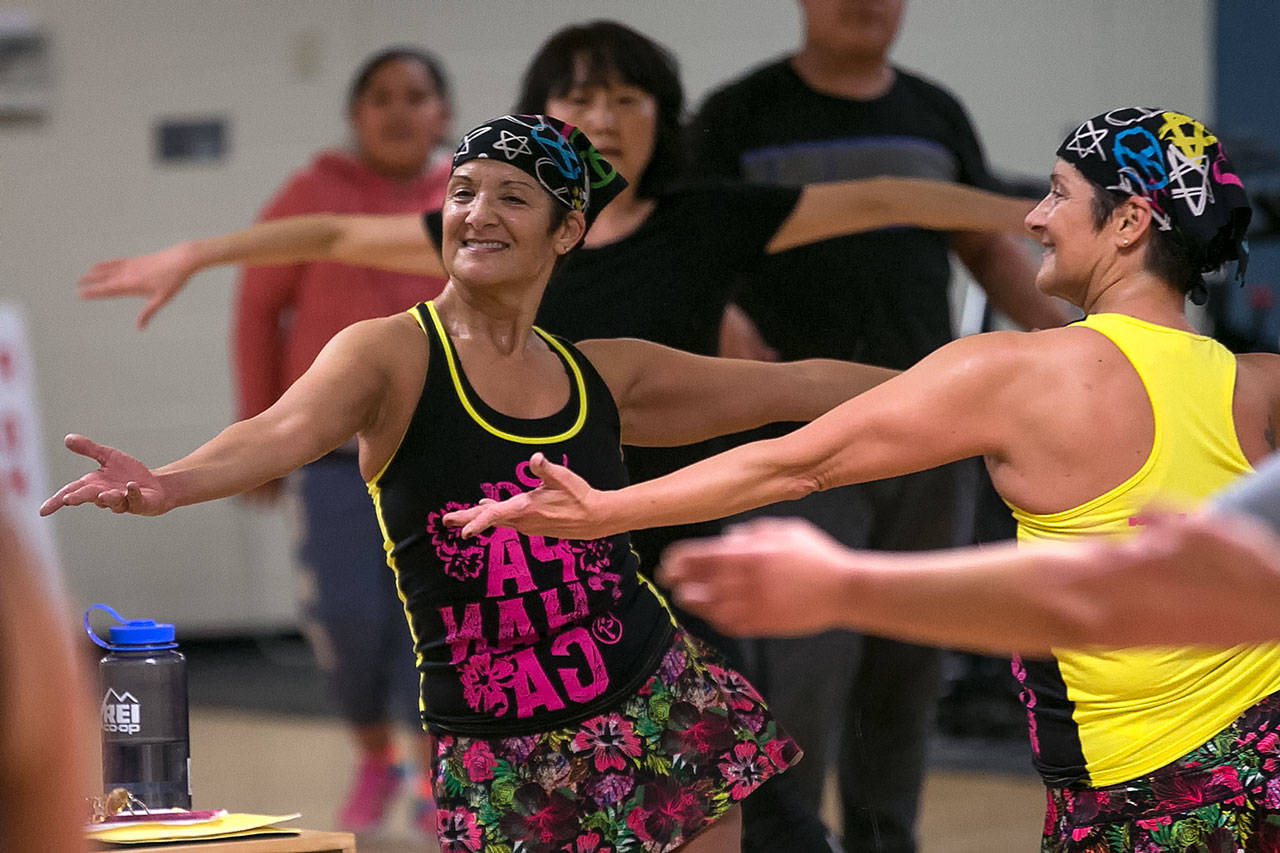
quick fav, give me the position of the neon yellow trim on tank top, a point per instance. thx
(376, 478)
(376, 494)
(657, 593)
(578, 380)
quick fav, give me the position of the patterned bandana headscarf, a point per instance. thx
(1179, 167)
(558, 155)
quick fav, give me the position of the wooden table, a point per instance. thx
(310, 841)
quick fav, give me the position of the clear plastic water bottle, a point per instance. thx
(145, 746)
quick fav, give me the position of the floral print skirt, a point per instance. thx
(648, 775)
(1222, 797)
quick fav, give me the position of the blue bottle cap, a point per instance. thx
(141, 632)
(132, 634)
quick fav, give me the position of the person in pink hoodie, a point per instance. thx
(399, 110)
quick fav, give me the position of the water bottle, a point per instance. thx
(145, 748)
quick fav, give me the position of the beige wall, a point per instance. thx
(82, 186)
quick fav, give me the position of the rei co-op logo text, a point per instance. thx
(121, 713)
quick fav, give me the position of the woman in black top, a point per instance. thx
(660, 262)
(571, 712)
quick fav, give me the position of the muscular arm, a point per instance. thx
(670, 397)
(1002, 267)
(1206, 579)
(342, 394)
(954, 404)
(847, 207)
(339, 396)
(1211, 578)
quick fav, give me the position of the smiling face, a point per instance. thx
(619, 118)
(399, 118)
(1074, 247)
(500, 226)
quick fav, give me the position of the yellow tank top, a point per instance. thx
(1134, 710)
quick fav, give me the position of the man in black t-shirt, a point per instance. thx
(839, 110)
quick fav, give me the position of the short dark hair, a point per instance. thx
(607, 48)
(429, 63)
(1170, 256)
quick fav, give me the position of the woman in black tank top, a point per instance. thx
(571, 711)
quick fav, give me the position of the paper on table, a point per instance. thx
(225, 826)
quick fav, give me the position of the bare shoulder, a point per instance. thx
(1257, 389)
(1029, 379)
(1071, 351)
(1261, 368)
(621, 361)
(395, 350)
(382, 340)
(1256, 403)
(1009, 356)
(618, 349)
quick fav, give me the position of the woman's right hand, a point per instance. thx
(121, 484)
(155, 277)
(560, 506)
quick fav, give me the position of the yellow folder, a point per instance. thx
(223, 826)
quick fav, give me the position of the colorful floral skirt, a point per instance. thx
(1222, 797)
(648, 775)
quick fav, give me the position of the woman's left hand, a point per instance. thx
(560, 507)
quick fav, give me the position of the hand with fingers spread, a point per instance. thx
(121, 483)
(773, 577)
(561, 507)
(156, 277)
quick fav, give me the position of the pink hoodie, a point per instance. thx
(285, 315)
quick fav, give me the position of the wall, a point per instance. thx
(1247, 116)
(82, 186)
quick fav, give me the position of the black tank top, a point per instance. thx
(513, 634)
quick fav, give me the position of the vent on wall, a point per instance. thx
(191, 140)
(26, 81)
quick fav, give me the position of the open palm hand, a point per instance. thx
(559, 507)
(121, 483)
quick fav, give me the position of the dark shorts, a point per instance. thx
(353, 614)
(648, 775)
(1224, 796)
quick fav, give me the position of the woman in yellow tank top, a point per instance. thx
(1082, 429)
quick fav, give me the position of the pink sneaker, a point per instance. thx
(375, 784)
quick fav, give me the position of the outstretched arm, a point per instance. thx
(919, 419)
(668, 397)
(398, 242)
(1205, 579)
(339, 396)
(847, 207)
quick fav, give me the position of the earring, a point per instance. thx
(1124, 242)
